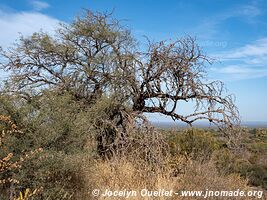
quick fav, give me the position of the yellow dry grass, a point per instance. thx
(121, 175)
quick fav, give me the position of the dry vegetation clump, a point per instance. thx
(202, 176)
(135, 170)
(122, 174)
(183, 169)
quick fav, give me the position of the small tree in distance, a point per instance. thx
(95, 56)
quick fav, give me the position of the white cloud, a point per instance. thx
(257, 50)
(250, 61)
(26, 23)
(210, 27)
(39, 5)
(241, 72)
(13, 24)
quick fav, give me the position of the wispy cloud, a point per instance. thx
(251, 10)
(247, 11)
(241, 72)
(14, 23)
(210, 27)
(255, 52)
(39, 5)
(250, 61)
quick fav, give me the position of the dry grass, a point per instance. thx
(122, 174)
(202, 177)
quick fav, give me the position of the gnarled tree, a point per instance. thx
(95, 56)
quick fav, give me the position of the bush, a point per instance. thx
(194, 143)
(52, 124)
(229, 163)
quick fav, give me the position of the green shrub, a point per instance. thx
(228, 163)
(194, 143)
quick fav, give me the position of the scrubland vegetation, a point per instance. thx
(71, 118)
(55, 154)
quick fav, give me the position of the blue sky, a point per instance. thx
(232, 32)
